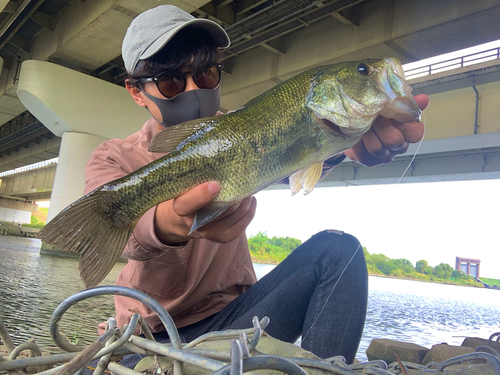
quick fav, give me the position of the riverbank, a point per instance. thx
(435, 281)
(10, 229)
(270, 263)
(445, 282)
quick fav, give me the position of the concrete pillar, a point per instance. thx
(69, 181)
(84, 111)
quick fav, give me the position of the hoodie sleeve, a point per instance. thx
(143, 243)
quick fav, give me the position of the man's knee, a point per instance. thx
(334, 243)
(344, 250)
(338, 239)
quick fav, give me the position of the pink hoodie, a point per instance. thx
(191, 282)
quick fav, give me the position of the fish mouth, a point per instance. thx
(330, 125)
(402, 109)
(333, 127)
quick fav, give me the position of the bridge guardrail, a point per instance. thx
(454, 63)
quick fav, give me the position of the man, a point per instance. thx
(205, 279)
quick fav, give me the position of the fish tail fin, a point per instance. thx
(83, 228)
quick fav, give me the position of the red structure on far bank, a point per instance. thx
(468, 266)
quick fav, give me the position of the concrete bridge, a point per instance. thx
(73, 48)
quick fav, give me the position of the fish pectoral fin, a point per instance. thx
(311, 177)
(208, 213)
(170, 138)
(294, 181)
(306, 178)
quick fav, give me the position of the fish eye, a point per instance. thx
(364, 69)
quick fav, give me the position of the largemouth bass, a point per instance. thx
(288, 131)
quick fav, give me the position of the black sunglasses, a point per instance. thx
(173, 83)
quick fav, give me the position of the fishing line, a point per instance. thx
(340, 277)
(416, 151)
(359, 246)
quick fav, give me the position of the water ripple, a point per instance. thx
(427, 313)
(32, 286)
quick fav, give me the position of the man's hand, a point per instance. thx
(388, 138)
(174, 218)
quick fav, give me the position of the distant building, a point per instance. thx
(468, 266)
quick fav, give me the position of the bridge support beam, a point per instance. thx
(84, 111)
(69, 181)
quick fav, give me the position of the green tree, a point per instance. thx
(420, 266)
(379, 264)
(443, 271)
(398, 272)
(457, 274)
(286, 244)
(271, 250)
(423, 267)
(405, 265)
(383, 263)
(368, 256)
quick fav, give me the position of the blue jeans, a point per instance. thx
(318, 292)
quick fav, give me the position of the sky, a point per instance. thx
(435, 221)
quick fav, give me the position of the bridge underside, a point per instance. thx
(86, 37)
(475, 164)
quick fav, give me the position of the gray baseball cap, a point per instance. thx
(152, 29)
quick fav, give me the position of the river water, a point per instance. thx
(33, 285)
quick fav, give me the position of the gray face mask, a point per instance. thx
(188, 105)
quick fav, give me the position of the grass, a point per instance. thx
(490, 281)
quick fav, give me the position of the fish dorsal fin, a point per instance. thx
(208, 213)
(306, 178)
(172, 138)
